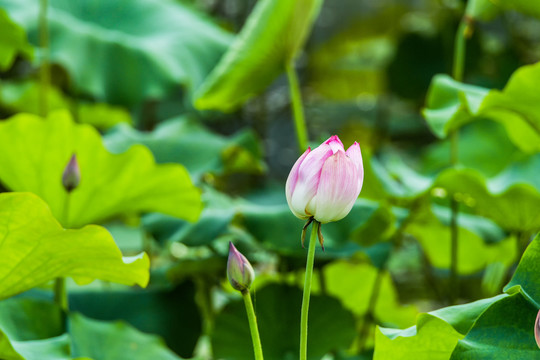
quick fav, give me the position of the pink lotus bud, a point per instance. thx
(239, 270)
(325, 183)
(72, 174)
(537, 329)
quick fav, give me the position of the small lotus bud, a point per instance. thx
(537, 329)
(72, 174)
(325, 183)
(239, 270)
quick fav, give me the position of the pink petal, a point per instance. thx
(293, 175)
(338, 189)
(354, 153)
(309, 173)
(335, 143)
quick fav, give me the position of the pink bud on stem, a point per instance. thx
(239, 271)
(72, 174)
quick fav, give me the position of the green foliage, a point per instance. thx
(271, 38)
(451, 104)
(37, 151)
(331, 327)
(497, 328)
(12, 42)
(103, 44)
(23, 96)
(37, 249)
(85, 339)
(183, 140)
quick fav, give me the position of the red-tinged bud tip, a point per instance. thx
(239, 271)
(72, 174)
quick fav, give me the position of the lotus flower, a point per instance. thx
(324, 183)
(239, 271)
(72, 174)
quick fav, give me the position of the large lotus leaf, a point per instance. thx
(503, 331)
(169, 313)
(474, 234)
(434, 336)
(525, 6)
(24, 96)
(330, 326)
(101, 340)
(102, 116)
(506, 199)
(526, 275)
(451, 104)
(125, 51)
(26, 319)
(37, 249)
(353, 283)
(35, 153)
(12, 42)
(185, 141)
(270, 39)
(56, 348)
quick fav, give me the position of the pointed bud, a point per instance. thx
(537, 329)
(72, 174)
(239, 270)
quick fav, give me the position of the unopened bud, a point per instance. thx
(537, 329)
(72, 174)
(239, 270)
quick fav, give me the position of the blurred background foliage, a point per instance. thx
(202, 84)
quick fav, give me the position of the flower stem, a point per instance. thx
(298, 109)
(45, 74)
(252, 318)
(60, 290)
(457, 74)
(307, 290)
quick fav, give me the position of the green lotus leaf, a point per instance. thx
(12, 42)
(503, 331)
(506, 199)
(475, 252)
(435, 334)
(451, 104)
(352, 283)
(37, 249)
(271, 38)
(526, 275)
(87, 339)
(100, 340)
(24, 96)
(525, 6)
(125, 51)
(189, 143)
(35, 153)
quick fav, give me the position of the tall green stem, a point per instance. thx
(45, 73)
(307, 290)
(252, 318)
(298, 109)
(60, 290)
(457, 74)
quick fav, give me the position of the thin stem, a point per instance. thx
(307, 290)
(457, 74)
(60, 290)
(45, 72)
(252, 318)
(298, 109)
(454, 283)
